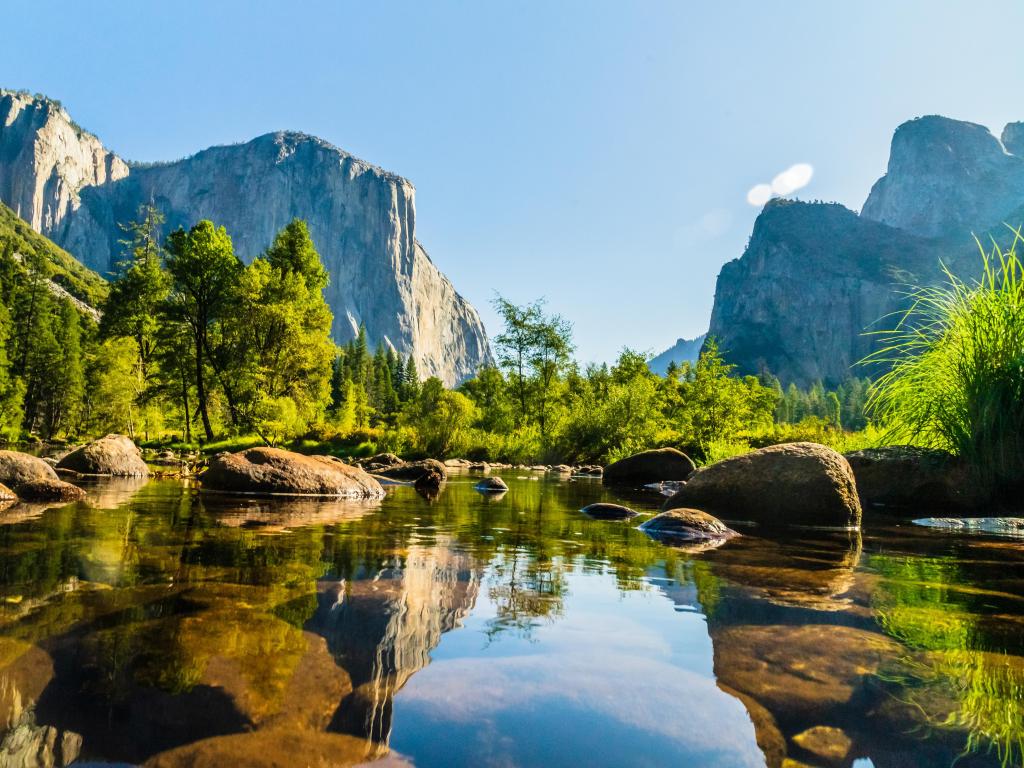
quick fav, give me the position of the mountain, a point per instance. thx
(683, 351)
(62, 181)
(815, 277)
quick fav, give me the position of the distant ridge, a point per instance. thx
(683, 351)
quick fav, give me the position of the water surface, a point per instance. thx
(154, 624)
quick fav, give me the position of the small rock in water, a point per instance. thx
(606, 511)
(1004, 526)
(492, 485)
(687, 524)
(666, 488)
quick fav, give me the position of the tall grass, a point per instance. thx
(956, 375)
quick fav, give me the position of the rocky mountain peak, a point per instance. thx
(946, 177)
(46, 159)
(1013, 138)
(66, 185)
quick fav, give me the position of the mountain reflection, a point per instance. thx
(157, 625)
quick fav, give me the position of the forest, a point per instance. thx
(192, 347)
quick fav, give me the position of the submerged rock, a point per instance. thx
(272, 470)
(826, 742)
(49, 490)
(795, 483)
(492, 485)
(17, 468)
(607, 511)
(650, 467)
(688, 525)
(115, 455)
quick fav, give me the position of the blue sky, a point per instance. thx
(597, 153)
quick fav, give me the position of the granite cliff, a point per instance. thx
(816, 276)
(362, 219)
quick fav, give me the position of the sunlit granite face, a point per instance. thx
(155, 625)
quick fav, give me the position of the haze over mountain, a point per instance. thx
(67, 186)
(815, 276)
(683, 351)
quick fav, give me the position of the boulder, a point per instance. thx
(379, 462)
(492, 485)
(115, 455)
(276, 471)
(650, 467)
(688, 525)
(430, 482)
(49, 490)
(6, 494)
(795, 483)
(561, 469)
(900, 476)
(17, 468)
(413, 470)
(606, 511)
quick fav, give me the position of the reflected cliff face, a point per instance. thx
(156, 625)
(903, 648)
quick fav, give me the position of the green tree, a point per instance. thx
(204, 273)
(515, 347)
(131, 308)
(440, 417)
(279, 335)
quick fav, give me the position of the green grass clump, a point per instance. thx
(956, 370)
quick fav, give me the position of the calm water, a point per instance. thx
(156, 625)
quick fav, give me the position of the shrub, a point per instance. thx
(956, 379)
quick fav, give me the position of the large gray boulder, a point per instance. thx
(791, 484)
(276, 471)
(17, 468)
(115, 455)
(650, 467)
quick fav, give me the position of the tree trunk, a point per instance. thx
(201, 389)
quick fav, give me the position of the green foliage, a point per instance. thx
(842, 407)
(17, 237)
(956, 376)
(440, 418)
(246, 348)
